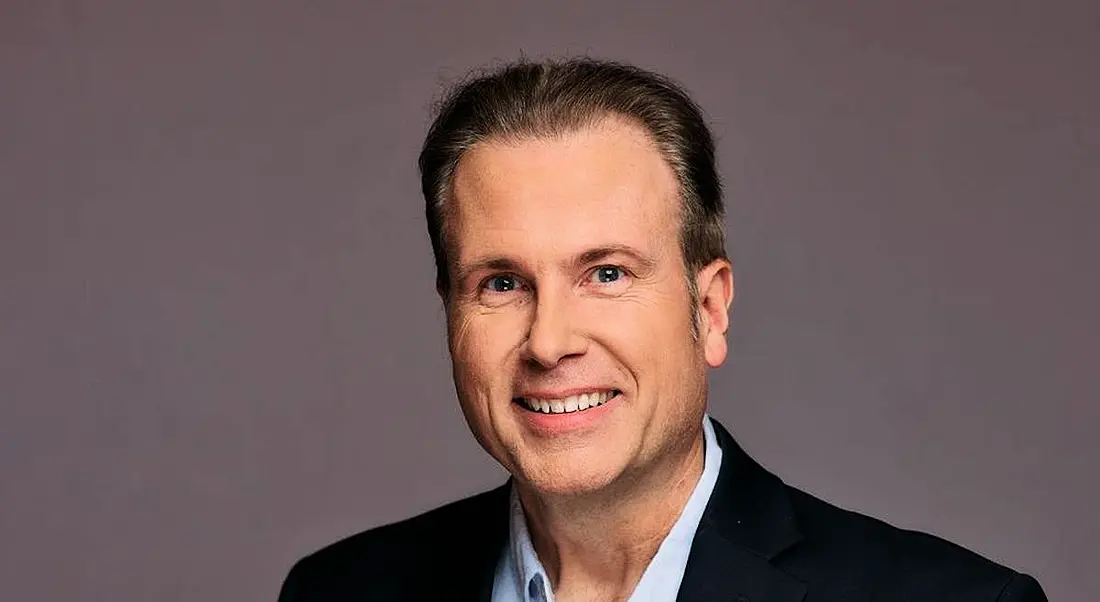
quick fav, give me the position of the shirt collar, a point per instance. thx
(661, 579)
(532, 579)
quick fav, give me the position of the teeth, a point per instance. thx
(573, 403)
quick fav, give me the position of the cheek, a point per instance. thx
(649, 331)
(481, 345)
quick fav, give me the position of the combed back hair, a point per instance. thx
(540, 99)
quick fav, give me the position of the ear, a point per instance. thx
(715, 285)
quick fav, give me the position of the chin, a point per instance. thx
(567, 478)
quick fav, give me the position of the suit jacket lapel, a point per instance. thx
(748, 522)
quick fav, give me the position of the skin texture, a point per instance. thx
(568, 276)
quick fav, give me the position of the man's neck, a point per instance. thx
(598, 545)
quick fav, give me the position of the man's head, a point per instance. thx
(576, 218)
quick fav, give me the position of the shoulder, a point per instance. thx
(845, 555)
(423, 534)
(382, 561)
(881, 560)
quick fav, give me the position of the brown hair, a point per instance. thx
(546, 98)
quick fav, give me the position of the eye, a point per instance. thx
(501, 283)
(606, 274)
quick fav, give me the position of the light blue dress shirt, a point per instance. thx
(520, 576)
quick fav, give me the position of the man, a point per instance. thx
(576, 218)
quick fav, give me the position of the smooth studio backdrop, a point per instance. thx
(220, 347)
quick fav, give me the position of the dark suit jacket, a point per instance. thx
(759, 540)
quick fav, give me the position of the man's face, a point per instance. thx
(569, 291)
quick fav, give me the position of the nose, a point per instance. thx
(552, 336)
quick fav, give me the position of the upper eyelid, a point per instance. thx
(617, 266)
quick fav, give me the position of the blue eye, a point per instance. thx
(502, 283)
(606, 274)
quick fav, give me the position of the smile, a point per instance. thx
(567, 405)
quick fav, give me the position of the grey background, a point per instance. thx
(220, 348)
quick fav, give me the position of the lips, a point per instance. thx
(567, 405)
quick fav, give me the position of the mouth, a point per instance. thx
(567, 405)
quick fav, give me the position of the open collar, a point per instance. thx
(748, 522)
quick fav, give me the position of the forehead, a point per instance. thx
(603, 184)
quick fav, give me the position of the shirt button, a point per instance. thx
(534, 588)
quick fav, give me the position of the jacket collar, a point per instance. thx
(748, 522)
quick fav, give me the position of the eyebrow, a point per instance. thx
(603, 252)
(590, 256)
